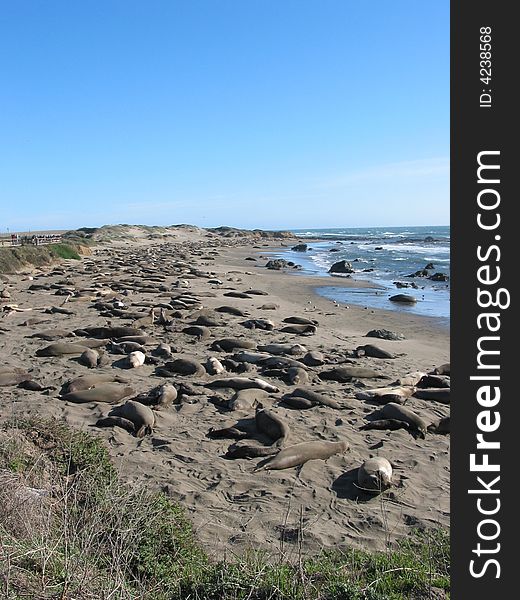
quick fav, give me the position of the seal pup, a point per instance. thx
(246, 398)
(135, 359)
(299, 454)
(375, 475)
(213, 366)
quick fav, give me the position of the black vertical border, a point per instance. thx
(475, 129)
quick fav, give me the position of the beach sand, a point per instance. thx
(233, 508)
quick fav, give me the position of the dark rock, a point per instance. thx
(300, 248)
(439, 277)
(341, 266)
(403, 298)
(430, 266)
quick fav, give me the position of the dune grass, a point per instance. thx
(69, 528)
(16, 258)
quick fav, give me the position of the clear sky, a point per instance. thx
(251, 113)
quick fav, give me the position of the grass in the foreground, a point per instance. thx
(70, 529)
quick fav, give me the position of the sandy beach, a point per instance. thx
(183, 279)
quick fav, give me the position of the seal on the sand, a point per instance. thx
(86, 382)
(373, 351)
(246, 398)
(375, 475)
(441, 426)
(299, 454)
(242, 383)
(161, 396)
(89, 358)
(401, 413)
(113, 421)
(300, 329)
(293, 349)
(213, 366)
(312, 398)
(231, 310)
(135, 359)
(300, 321)
(185, 366)
(250, 450)
(391, 424)
(228, 344)
(141, 416)
(63, 348)
(104, 392)
(270, 424)
(437, 394)
(347, 373)
(199, 331)
(386, 394)
(13, 377)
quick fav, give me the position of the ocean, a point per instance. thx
(391, 253)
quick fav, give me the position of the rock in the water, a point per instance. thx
(341, 266)
(403, 298)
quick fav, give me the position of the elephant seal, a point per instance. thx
(264, 324)
(387, 394)
(85, 382)
(293, 349)
(315, 398)
(229, 344)
(108, 332)
(253, 358)
(89, 358)
(185, 366)
(299, 454)
(246, 398)
(141, 416)
(296, 375)
(300, 329)
(438, 394)
(442, 369)
(162, 396)
(113, 421)
(231, 310)
(391, 424)
(199, 331)
(441, 426)
(126, 347)
(104, 392)
(401, 413)
(249, 450)
(375, 475)
(214, 366)
(135, 359)
(347, 373)
(373, 351)
(13, 377)
(242, 383)
(434, 381)
(62, 349)
(163, 350)
(271, 425)
(300, 321)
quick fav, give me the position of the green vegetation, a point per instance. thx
(69, 528)
(14, 259)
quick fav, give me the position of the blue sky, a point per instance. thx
(251, 113)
